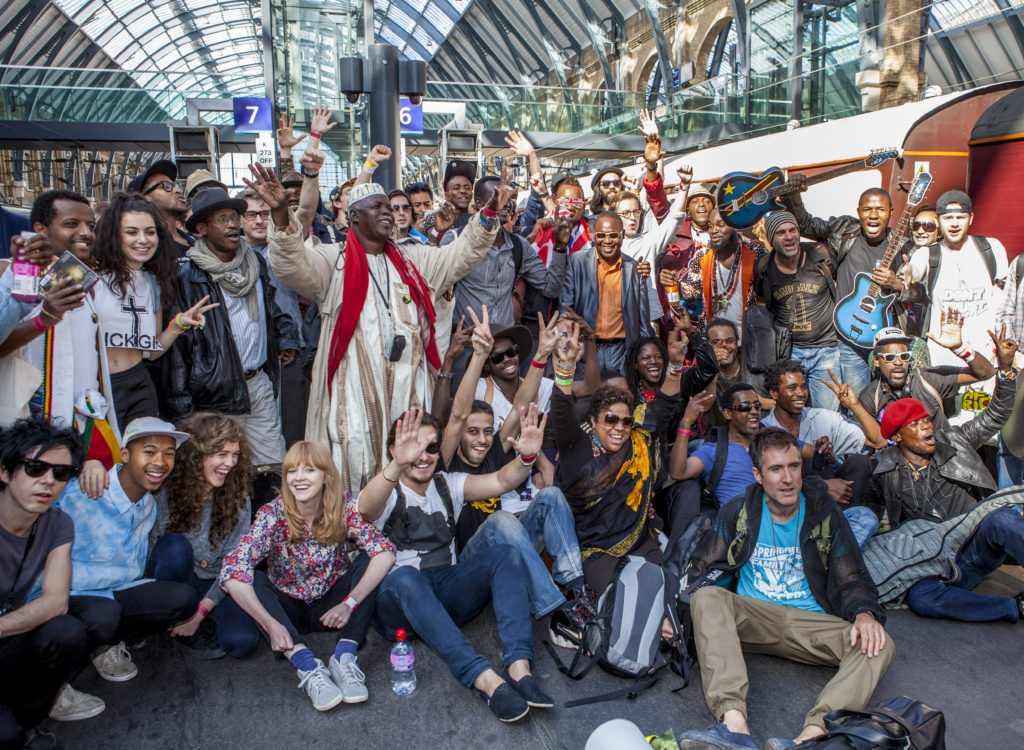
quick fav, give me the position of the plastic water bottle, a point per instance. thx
(403, 663)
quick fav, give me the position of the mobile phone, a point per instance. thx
(396, 349)
(428, 220)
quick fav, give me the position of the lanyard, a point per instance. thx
(9, 599)
(387, 281)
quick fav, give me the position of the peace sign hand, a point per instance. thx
(842, 391)
(482, 340)
(1006, 349)
(504, 191)
(547, 336)
(195, 316)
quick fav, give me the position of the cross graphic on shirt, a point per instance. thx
(131, 308)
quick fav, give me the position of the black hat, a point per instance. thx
(459, 168)
(210, 201)
(953, 198)
(520, 336)
(165, 167)
(601, 173)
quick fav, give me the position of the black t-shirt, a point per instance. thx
(801, 301)
(53, 529)
(475, 513)
(861, 258)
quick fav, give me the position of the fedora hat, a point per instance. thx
(209, 201)
(519, 335)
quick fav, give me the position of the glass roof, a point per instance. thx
(417, 27)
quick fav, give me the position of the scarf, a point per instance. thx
(356, 284)
(237, 277)
(579, 239)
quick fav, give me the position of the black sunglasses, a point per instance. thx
(613, 419)
(433, 448)
(497, 357)
(744, 406)
(928, 226)
(61, 472)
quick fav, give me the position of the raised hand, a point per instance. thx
(683, 321)
(444, 217)
(481, 339)
(951, 322)
(842, 391)
(649, 124)
(268, 186)
(379, 154)
(195, 316)
(520, 144)
(1006, 349)
(409, 445)
(321, 121)
(539, 184)
(685, 174)
(312, 160)
(653, 153)
(677, 343)
(286, 137)
(569, 350)
(699, 404)
(531, 433)
(461, 338)
(586, 332)
(504, 191)
(547, 336)
(629, 184)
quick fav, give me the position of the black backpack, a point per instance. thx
(896, 723)
(935, 260)
(398, 512)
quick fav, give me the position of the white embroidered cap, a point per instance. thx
(364, 191)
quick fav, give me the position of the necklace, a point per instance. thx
(728, 285)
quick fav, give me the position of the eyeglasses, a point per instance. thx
(401, 207)
(928, 226)
(253, 215)
(223, 220)
(633, 214)
(433, 448)
(611, 183)
(613, 420)
(744, 406)
(607, 235)
(571, 202)
(892, 357)
(166, 185)
(497, 357)
(61, 472)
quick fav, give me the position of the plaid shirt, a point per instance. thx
(1012, 311)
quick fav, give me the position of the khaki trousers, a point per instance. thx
(726, 624)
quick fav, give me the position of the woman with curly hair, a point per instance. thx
(135, 258)
(312, 584)
(202, 515)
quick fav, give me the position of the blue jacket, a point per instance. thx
(581, 294)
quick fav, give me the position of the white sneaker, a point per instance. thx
(74, 705)
(349, 678)
(320, 688)
(115, 664)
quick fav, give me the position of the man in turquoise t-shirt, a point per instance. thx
(790, 582)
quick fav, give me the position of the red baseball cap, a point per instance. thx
(900, 413)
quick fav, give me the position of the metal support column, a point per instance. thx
(796, 79)
(383, 105)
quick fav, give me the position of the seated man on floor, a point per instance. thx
(781, 574)
(111, 548)
(427, 591)
(937, 475)
(45, 639)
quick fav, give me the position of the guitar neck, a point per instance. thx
(855, 166)
(896, 240)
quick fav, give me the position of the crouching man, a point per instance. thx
(783, 575)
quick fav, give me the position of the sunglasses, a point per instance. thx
(61, 472)
(611, 183)
(433, 448)
(614, 419)
(928, 226)
(892, 357)
(497, 357)
(401, 207)
(166, 185)
(744, 406)
(607, 235)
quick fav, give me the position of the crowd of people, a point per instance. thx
(272, 415)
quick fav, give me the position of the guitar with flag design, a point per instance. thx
(743, 198)
(865, 311)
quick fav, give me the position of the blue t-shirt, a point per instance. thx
(775, 571)
(738, 474)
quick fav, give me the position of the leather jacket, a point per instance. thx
(203, 371)
(955, 457)
(580, 292)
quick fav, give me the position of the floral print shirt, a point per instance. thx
(306, 570)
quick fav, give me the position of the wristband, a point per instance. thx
(964, 353)
(384, 473)
(538, 365)
(177, 322)
(446, 375)
(488, 211)
(684, 432)
(203, 610)
(311, 175)
(351, 602)
(369, 165)
(563, 382)
(527, 460)
(39, 324)
(314, 134)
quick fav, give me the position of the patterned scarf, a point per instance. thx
(579, 239)
(237, 277)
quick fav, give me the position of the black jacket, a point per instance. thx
(956, 456)
(203, 370)
(844, 589)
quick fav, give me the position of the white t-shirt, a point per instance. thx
(83, 336)
(129, 321)
(502, 406)
(420, 542)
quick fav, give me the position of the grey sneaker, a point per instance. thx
(74, 705)
(349, 678)
(320, 688)
(115, 664)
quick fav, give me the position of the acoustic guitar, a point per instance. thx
(865, 311)
(743, 198)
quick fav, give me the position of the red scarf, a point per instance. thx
(356, 285)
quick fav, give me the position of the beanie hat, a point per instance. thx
(774, 221)
(900, 413)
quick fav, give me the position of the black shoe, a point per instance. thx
(1019, 598)
(529, 688)
(37, 738)
(507, 704)
(203, 643)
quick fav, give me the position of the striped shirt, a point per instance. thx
(250, 335)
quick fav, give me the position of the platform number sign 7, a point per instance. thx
(253, 114)
(410, 117)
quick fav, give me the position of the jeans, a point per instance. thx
(999, 538)
(1010, 469)
(817, 362)
(854, 367)
(612, 356)
(299, 617)
(547, 522)
(436, 603)
(153, 607)
(863, 523)
(172, 560)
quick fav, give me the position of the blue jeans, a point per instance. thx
(435, 603)
(172, 560)
(854, 367)
(817, 362)
(547, 522)
(1009, 468)
(998, 538)
(612, 357)
(863, 523)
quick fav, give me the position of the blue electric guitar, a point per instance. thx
(743, 198)
(865, 311)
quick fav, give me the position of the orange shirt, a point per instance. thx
(609, 323)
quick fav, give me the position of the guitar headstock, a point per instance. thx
(922, 182)
(880, 156)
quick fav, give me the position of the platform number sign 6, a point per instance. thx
(410, 117)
